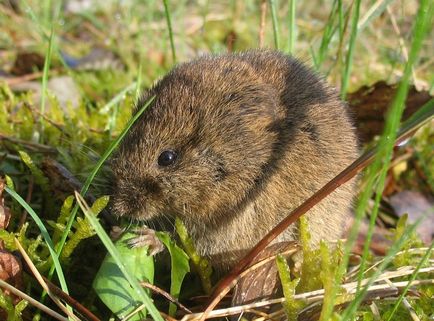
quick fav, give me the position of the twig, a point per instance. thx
(47, 119)
(169, 297)
(348, 173)
(17, 80)
(30, 145)
(41, 281)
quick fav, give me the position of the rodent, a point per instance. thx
(231, 144)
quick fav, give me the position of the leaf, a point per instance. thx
(262, 282)
(369, 105)
(310, 266)
(40, 178)
(11, 271)
(5, 212)
(83, 229)
(179, 267)
(111, 285)
(200, 264)
(291, 305)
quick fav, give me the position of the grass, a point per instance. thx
(380, 165)
(341, 38)
(276, 33)
(94, 172)
(169, 27)
(350, 54)
(126, 270)
(292, 26)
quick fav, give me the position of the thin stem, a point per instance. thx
(275, 24)
(350, 54)
(169, 26)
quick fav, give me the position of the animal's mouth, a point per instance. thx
(125, 208)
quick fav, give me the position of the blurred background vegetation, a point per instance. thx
(70, 72)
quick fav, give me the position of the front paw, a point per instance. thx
(146, 237)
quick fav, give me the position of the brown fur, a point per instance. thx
(257, 133)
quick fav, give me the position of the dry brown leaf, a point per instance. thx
(27, 63)
(11, 271)
(5, 213)
(261, 283)
(369, 104)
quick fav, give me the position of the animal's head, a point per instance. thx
(200, 147)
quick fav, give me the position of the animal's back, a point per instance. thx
(315, 141)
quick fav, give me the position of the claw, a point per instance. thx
(146, 237)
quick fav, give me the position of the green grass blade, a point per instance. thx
(419, 118)
(169, 26)
(387, 140)
(44, 234)
(350, 53)
(327, 36)
(292, 26)
(275, 21)
(144, 297)
(116, 99)
(376, 10)
(96, 169)
(47, 64)
(412, 278)
(341, 15)
(395, 248)
(28, 9)
(392, 125)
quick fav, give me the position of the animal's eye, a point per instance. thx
(167, 158)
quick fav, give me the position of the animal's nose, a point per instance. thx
(149, 186)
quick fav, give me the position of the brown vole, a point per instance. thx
(231, 144)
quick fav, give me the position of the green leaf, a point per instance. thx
(179, 267)
(39, 176)
(124, 264)
(111, 285)
(291, 305)
(40, 179)
(96, 169)
(83, 229)
(311, 265)
(44, 234)
(200, 264)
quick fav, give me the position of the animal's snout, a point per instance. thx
(149, 186)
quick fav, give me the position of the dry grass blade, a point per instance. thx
(405, 302)
(408, 128)
(381, 290)
(32, 301)
(125, 270)
(420, 250)
(44, 285)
